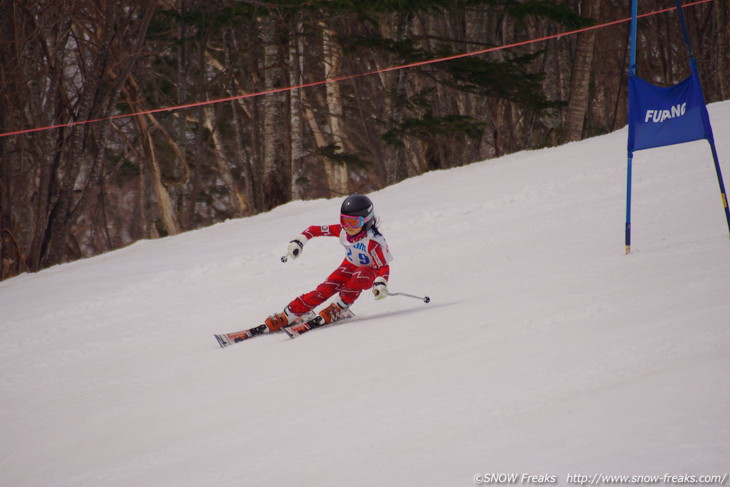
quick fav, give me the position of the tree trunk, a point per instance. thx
(337, 177)
(299, 177)
(394, 88)
(238, 109)
(581, 78)
(164, 204)
(722, 16)
(94, 186)
(162, 197)
(51, 112)
(276, 164)
(75, 157)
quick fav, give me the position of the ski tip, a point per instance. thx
(223, 340)
(291, 333)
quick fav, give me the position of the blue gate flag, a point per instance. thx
(660, 116)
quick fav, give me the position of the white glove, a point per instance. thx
(380, 288)
(296, 246)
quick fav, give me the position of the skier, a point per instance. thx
(366, 265)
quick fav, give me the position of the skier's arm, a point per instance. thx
(322, 231)
(296, 246)
(382, 270)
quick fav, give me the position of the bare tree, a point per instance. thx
(581, 77)
(275, 154)
(337, 176)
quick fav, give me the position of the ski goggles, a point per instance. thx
(352, 221)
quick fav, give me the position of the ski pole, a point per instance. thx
(425, 299)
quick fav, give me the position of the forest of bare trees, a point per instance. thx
(137, 172)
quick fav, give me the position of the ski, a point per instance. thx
(297, 329)
(293, 331)
(228, 339)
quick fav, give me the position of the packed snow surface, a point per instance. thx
(545, 350)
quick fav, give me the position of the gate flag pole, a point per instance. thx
(706, 117)
(660, 116)
(632, 73)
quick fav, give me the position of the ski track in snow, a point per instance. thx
(544, 349)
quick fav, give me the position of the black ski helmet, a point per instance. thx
(359, 205)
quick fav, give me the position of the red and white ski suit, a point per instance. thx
(367, 258)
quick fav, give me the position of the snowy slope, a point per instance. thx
(544, 350)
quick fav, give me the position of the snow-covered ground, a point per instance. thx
(545, 350)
